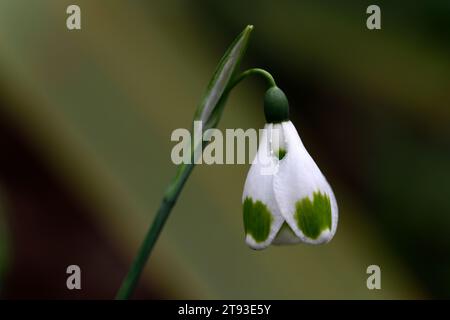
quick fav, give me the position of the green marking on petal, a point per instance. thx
(257, 219)
(314, 217)
(281, 153)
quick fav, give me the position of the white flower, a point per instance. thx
(293, 203)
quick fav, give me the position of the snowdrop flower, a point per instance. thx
(294, 203)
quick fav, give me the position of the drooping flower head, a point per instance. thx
(286, 198)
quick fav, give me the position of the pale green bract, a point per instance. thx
(212, 103)
(291, 189)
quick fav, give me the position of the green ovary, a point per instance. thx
(257, 219)
(313, 217)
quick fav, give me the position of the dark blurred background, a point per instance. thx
(85, 124)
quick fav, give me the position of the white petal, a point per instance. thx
(259, 187)
(297, 180)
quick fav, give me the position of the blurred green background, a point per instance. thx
(85, 124)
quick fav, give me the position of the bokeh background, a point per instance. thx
(85, 124)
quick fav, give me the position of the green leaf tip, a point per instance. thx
(211, 106)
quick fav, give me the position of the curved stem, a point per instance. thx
(254, 71)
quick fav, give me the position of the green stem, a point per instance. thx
(173, 191)
(254, 71)
(168, 201)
